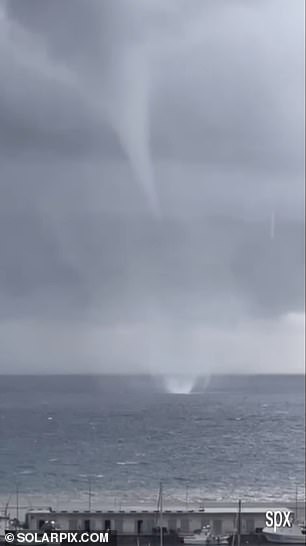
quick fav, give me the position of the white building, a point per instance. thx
(223, 520)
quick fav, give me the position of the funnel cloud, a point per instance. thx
(152, 187)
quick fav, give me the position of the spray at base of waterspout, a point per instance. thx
(183, 384)
(179, 384)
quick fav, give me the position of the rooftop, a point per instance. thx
(220, 509)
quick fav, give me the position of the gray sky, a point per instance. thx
(151, 186)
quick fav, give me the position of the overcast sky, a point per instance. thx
(151, 186)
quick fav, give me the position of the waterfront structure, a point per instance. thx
(222, 519)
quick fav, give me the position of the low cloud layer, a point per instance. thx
(152, 186)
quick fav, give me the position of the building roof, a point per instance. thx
(206, 510)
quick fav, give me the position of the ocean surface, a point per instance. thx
(106, 442)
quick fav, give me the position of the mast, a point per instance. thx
(296, 503)
(239, 523)
(161, 514)
(234, 533)
(17, 504)
(7, 506)
(89, 494)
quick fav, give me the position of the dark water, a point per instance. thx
(239, 437)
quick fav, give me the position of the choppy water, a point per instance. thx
(239, 437)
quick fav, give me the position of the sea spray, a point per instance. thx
(186, 384)
(179, 384)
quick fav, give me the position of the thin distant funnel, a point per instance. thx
(128, 113)
(272, 225)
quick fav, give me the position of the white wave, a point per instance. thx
(127, 463)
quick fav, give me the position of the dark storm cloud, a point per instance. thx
(236, 99)
(200, 103)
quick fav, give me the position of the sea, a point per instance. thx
(106, 442)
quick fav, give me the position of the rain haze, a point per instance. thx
(152, 186)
